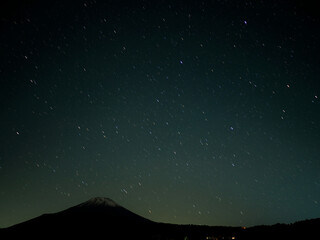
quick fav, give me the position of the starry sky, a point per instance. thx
(202, 112)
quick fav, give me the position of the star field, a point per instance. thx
(202, 113)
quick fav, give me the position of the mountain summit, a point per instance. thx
(99, 202)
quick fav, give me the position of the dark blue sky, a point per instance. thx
(204, 113)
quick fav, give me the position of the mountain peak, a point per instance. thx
(101, 202)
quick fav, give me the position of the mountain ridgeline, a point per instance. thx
(103, 218)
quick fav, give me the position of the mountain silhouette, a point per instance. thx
(95, 217)
(104, 218)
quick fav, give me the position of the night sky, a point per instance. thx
(203, 112)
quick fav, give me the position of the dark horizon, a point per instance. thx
(94, 202)
(102, 216)
(190, 112)
(105, 202)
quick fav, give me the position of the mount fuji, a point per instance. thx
(96, 217)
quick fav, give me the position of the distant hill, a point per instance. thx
(307, 229)
(103, 218)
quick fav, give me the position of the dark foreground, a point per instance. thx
(103, 218)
